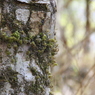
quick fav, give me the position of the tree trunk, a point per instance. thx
(27, 46)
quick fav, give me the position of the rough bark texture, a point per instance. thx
(27, 46)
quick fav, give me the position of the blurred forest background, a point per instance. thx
(75, 31)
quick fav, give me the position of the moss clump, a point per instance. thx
(42, 50)
(10, 39)
(2, 80)
(9, 46)
(40, 46)
(13, 61)
(36, 87)
(16, 35)
(8, 53)
(51, 93)
(8, 75)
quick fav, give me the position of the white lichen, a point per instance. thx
(22, 67)
(22, 15)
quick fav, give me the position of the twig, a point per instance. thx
(84, 80)
(69, 51)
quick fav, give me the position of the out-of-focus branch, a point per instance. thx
(84, 87)
(67, 3)
(87, 23)
(81, 43)
(87, 16)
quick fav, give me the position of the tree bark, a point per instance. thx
(27, 46)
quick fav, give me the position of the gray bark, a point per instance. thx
(27, 46)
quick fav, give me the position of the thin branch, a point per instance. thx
(81, 43)
(87, 16)
(85, 79)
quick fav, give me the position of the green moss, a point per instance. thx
(11, 77)
(27, 52)
(42, 49)
(16, 35)
(51, 93)
(36, 87)
(33, 45)
(15, 46)
(8, 75)
(9, 46)
(13, 61)
(8, 53)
